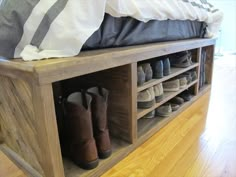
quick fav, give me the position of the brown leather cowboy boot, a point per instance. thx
(82, 147)
(99, 117)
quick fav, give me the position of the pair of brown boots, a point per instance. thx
(87, 135)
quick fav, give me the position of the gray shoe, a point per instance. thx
(171, 85)
(140, 75)
(193, 75)
(164, 110)
(157, 67)
(159, 93)
(149, 115)
(174, 106)
(146, 98)
(182, 82)
(166, 67)
(148, 71)
(188, 77)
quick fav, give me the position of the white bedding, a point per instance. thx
(79, 19)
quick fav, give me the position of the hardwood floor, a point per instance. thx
(8, 168)
(200, 142)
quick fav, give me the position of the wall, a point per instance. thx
(227, 36)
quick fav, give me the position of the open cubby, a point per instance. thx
(147, 127)
(117, 80)
(31, 92)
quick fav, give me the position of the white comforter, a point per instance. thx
(81, 18)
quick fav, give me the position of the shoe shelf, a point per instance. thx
(30, 126)
(174, 72)
(147, 127)
(167, 97)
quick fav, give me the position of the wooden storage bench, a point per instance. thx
(29, 90)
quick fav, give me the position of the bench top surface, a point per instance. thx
(50, 70)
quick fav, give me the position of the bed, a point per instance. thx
(126, 31)
(41, 29)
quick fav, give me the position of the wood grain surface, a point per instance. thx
(28, 124)
(47, 71)
(200, 142)
(18, 120)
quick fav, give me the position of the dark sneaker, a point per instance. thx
(140, 76)
(177, 100)
(157, 67)
(186, 95)
(166, 67)
(181, 59)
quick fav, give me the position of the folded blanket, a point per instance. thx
(39, 29)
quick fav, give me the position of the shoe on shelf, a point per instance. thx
(99, 106)
(146, 98)
(157, 67)
(148, 71)
(174, 106)
(159, 93)
(193, 75)
(164, 110)
(140, 76)
(177, 100)
(80, 143)
(182, 81)
(171, 85)
(188, 77)
(186, 95)
(166, 67)
(181, 59)
(149, 115)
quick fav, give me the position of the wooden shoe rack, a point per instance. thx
(28, 95)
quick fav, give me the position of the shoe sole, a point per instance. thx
(158, 76)
(146, 104)
(166, 73)
(163, 115)
(159, 98)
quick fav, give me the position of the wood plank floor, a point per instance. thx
(8, 168)
(201, 142)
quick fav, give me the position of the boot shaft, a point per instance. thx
(99, 108)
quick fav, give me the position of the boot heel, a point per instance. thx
(89, 165)
(104, 155)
